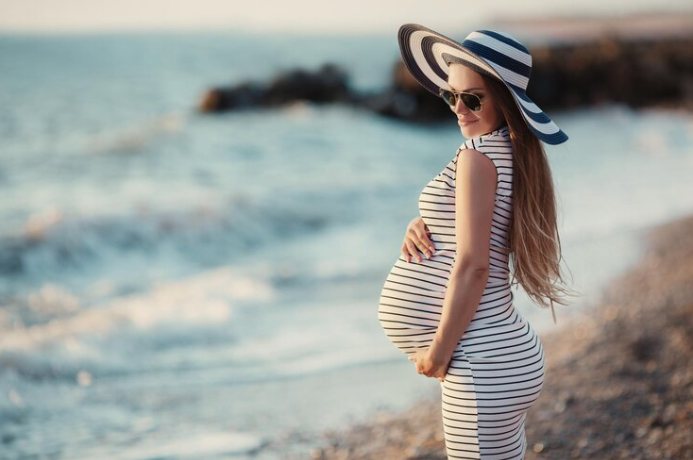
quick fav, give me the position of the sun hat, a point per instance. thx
(428, 54)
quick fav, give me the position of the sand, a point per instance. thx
(619, 378)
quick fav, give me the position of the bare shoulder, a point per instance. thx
(472, 163)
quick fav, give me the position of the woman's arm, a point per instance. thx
(475, 189)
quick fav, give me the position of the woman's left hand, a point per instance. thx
(429, 366)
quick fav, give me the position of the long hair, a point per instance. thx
(534, 242)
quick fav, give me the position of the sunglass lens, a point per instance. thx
(471, 101)
(448, 97)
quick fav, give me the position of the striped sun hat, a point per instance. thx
(428, 54)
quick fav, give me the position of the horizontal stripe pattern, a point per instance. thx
(497, 369)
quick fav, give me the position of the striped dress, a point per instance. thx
(497, 369)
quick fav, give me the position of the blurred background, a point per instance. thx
(202, 200)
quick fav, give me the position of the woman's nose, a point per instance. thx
(460, 108)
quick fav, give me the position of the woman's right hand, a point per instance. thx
(416, 239)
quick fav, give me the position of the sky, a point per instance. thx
(302, 16)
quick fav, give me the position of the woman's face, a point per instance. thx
(472, 124)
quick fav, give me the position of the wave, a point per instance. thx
(137, 137)
(57, 241)
(123, 334)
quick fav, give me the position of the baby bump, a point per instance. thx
(411, 301)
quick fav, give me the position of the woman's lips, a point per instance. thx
(465, 123)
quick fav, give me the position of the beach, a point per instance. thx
(187, 285)
(619, 378)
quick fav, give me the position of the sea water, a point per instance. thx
(178, 285)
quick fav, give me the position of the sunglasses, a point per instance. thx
(470, 100)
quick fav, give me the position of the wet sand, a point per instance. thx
(619, 378)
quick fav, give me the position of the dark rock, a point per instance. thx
(637, 71)
(327, 84)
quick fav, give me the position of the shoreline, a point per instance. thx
(618, 386)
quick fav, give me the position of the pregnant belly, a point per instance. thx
(413, 294)
(411, 305)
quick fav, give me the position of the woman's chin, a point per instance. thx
(467, 128)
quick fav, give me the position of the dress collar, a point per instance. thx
(503, 131)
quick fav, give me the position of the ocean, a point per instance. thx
(186, 286)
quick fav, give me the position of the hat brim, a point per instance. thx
(428, 54)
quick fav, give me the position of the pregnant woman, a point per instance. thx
(447, 301)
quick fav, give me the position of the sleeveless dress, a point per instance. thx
(497, 369)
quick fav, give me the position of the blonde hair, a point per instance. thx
(534, 242)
